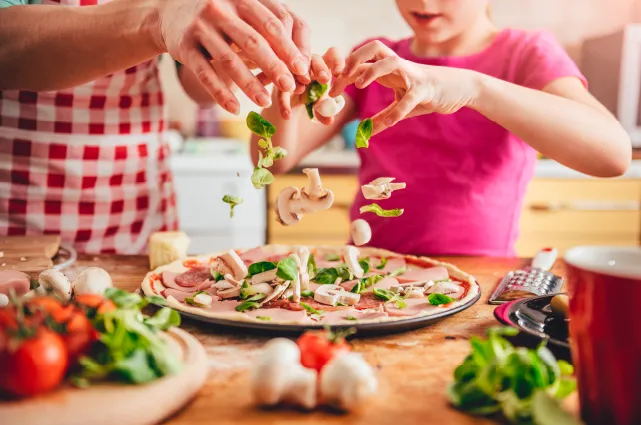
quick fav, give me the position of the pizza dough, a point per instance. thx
(390, 275)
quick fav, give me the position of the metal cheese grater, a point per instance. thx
(533, 281)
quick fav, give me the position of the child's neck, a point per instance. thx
(473, 40)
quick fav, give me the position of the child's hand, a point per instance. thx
(322, 69)
(419, 89)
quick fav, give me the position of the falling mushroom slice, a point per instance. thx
(361, 232)
(292, 203)
(381, 188)
(350, 253)
(230, 263)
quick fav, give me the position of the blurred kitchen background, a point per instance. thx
(563, 208)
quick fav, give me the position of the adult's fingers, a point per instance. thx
(228, 62)
(256, 48)
(301, 36)
(375, 51)
(320, 71)
(334, 60)
(269, 25)
(214, 85)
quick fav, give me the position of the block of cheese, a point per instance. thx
(165, 247)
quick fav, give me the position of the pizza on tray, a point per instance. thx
(309, 285)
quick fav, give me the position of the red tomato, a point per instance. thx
(78, 336)
(317, 348)
(35, 366)
(92, 301)
(51, 306)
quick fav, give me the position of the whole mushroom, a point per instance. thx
(347, 381)
(330, 106)
(92, 280)
(292, 203)
(361, 232)
(52, 282)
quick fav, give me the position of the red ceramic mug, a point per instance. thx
(604, 284)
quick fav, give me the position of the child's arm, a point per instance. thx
(563, 122)
(295, 132)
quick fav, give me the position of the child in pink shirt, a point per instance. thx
(459, 111)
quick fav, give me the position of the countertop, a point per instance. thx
(347, 162)
(414, 368)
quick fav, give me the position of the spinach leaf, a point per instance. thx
(364, 263)
(260, 267)
(363, 133)
(232, 201)
(315, 91)
(261, 177)
(439, 299)
(260, 126)
(287, 269)
(383, 263)
(311, 309)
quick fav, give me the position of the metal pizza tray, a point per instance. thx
(363, 329)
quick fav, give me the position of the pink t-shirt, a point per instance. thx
(466, 175)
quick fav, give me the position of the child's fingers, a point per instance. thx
(378, 69)
(340, 83)
(320, 71)
(335, 62)
(371, 51)
(402, 108)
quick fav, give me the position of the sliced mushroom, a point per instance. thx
(222, 285)
(293, 203)
(52, 282)
(303, 254)
(203, 299)
(409, 291)
(276, 293)
(230, 263)
(229, 278)
(296, 282)
(350, 254)
(335, 294)
(330, 106)
(263, 277)
(92, 280)
(361, 232)
(381, 188)
(444, 288)
(229, 293)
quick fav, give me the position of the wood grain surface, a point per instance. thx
(414, 368)
(29, 254)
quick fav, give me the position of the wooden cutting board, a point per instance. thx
(117, 403)
(28, 254)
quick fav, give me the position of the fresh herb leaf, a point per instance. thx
(376, 209)
(329, 276)
(311, 309)
(215, 275)
(439, 299)
(251, 302)
(265, 318)
(260, 267)
(366, 282)
(332, 257)
(164, 319)
(156, 300)
(279, 153)
(190, 300)
(33, 284)
(262, 143)
(311, 266)
(287, 269)
(307, 294)
(260, 126)
(124, 299)
(363, 133)
(351, 318)
(232, 201)
(315, 91)
(383, 263)
(384, 294)
(364, 263)
(400, 304)
(398, 272)
(262, 177)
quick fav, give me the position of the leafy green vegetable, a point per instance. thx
(261, 177)
(315, 91)
(363, 133)
(364, 263)
(401, 304)
(311, 309)
(130, 348)
(232, 201)
(522, 384)
(376, 209)
(190, 300)
(351, 318)
(385, 294)
(329, 276)
(383, 263)
(260, 267)
(311, 267)
(307, 294)
(251, 302)
(366, 282)
(439, 299)
(217, 276)
(156, 300)
(398, 272)
(260, 126)
(287, 269)
(265, 318)
(332, 257)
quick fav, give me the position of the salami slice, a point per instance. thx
(193, 277)
(368, 300)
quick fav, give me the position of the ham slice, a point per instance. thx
(14, 280)
(349, 285)
(254, 255)
(385, 283)
(341, 316)
(169, 281)
(414, 306)
(422, 275)
(180, 295)
(281, 314)
(322, 264)
(393, 263)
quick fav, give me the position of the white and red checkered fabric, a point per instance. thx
(89, 163)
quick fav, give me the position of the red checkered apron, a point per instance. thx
(89, 163)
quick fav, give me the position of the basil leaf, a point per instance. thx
(251, 302)
(260, 126)
(376, 209)
(232, 201)
(311, 309)
(384, 294)
(164, 319)
(261, 177)
(383, 263)
(363, 133)
(215, 275)
(332, 257)
(311, 266)
(265, 318)
(364, 263)
(260, 267)
(398, 272)
(326, 276)
(439, 299)
(287, 269)
(307, 294)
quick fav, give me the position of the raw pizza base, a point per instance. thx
(152, 285)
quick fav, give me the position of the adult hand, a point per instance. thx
(322, 69)
(418, 89)
(199, 34)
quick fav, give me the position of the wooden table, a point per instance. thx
(414, 368)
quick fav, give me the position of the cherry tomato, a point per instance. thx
(37, 365)
(317, 348)
(51, 306)
(93, 301)
(78, 335)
